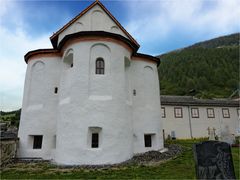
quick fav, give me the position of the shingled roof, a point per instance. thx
(192, 101)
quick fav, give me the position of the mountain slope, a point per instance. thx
(229, 40)
(207, 69)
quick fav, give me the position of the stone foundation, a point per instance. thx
(8, 149)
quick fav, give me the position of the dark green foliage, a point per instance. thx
(208, 72)
(13, 117)
(16, 118)
(9, 112)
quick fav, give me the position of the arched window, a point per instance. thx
(68, 59)
(99, 66)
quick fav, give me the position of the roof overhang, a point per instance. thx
(40, 52)
(191, 101)
(98, 35)
(87, 36)
(148, 57)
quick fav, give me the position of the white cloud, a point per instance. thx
(156, 20)
(14, 44)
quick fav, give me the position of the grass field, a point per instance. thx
(181, 167)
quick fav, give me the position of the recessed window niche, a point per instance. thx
(149, 140)
(35, 141)
(68, 59)
(94, 137)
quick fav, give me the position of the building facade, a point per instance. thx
(186, 117)
(92, 99)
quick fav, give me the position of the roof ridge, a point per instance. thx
(72, 20)
(55, 35)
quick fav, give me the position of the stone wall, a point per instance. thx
(8, 150)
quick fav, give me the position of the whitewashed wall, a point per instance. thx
(94, 20)
(39, 107)
(146, 105)
(199, 126)
(87, 102)
(94, 101)
(179, 125)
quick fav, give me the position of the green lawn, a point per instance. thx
(181, 167)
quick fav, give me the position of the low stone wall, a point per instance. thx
(8, 149)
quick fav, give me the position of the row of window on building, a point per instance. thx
(178, 112)
(38, 139)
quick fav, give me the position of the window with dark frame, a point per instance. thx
(55, 90)
(148, 140)
(37, 142)
(195, 112)
(95, 138)
(225, 112)
(178, 112)
(99, 66)
(210, 113)
(163, 112)
(134, 92)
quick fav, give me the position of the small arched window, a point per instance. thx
(99, 66)
(68, 59)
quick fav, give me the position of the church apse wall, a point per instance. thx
(92, 99)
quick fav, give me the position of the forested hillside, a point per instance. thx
(12, 117)
(230, 40)
(206, 70)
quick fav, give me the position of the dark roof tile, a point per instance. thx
(191, 101)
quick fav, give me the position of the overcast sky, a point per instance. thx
(158, 25)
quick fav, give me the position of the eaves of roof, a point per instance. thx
(146, 56)
(190, 101)
(85, 34)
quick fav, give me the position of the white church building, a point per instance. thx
(91, 99)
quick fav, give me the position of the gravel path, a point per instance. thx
(156, 156)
